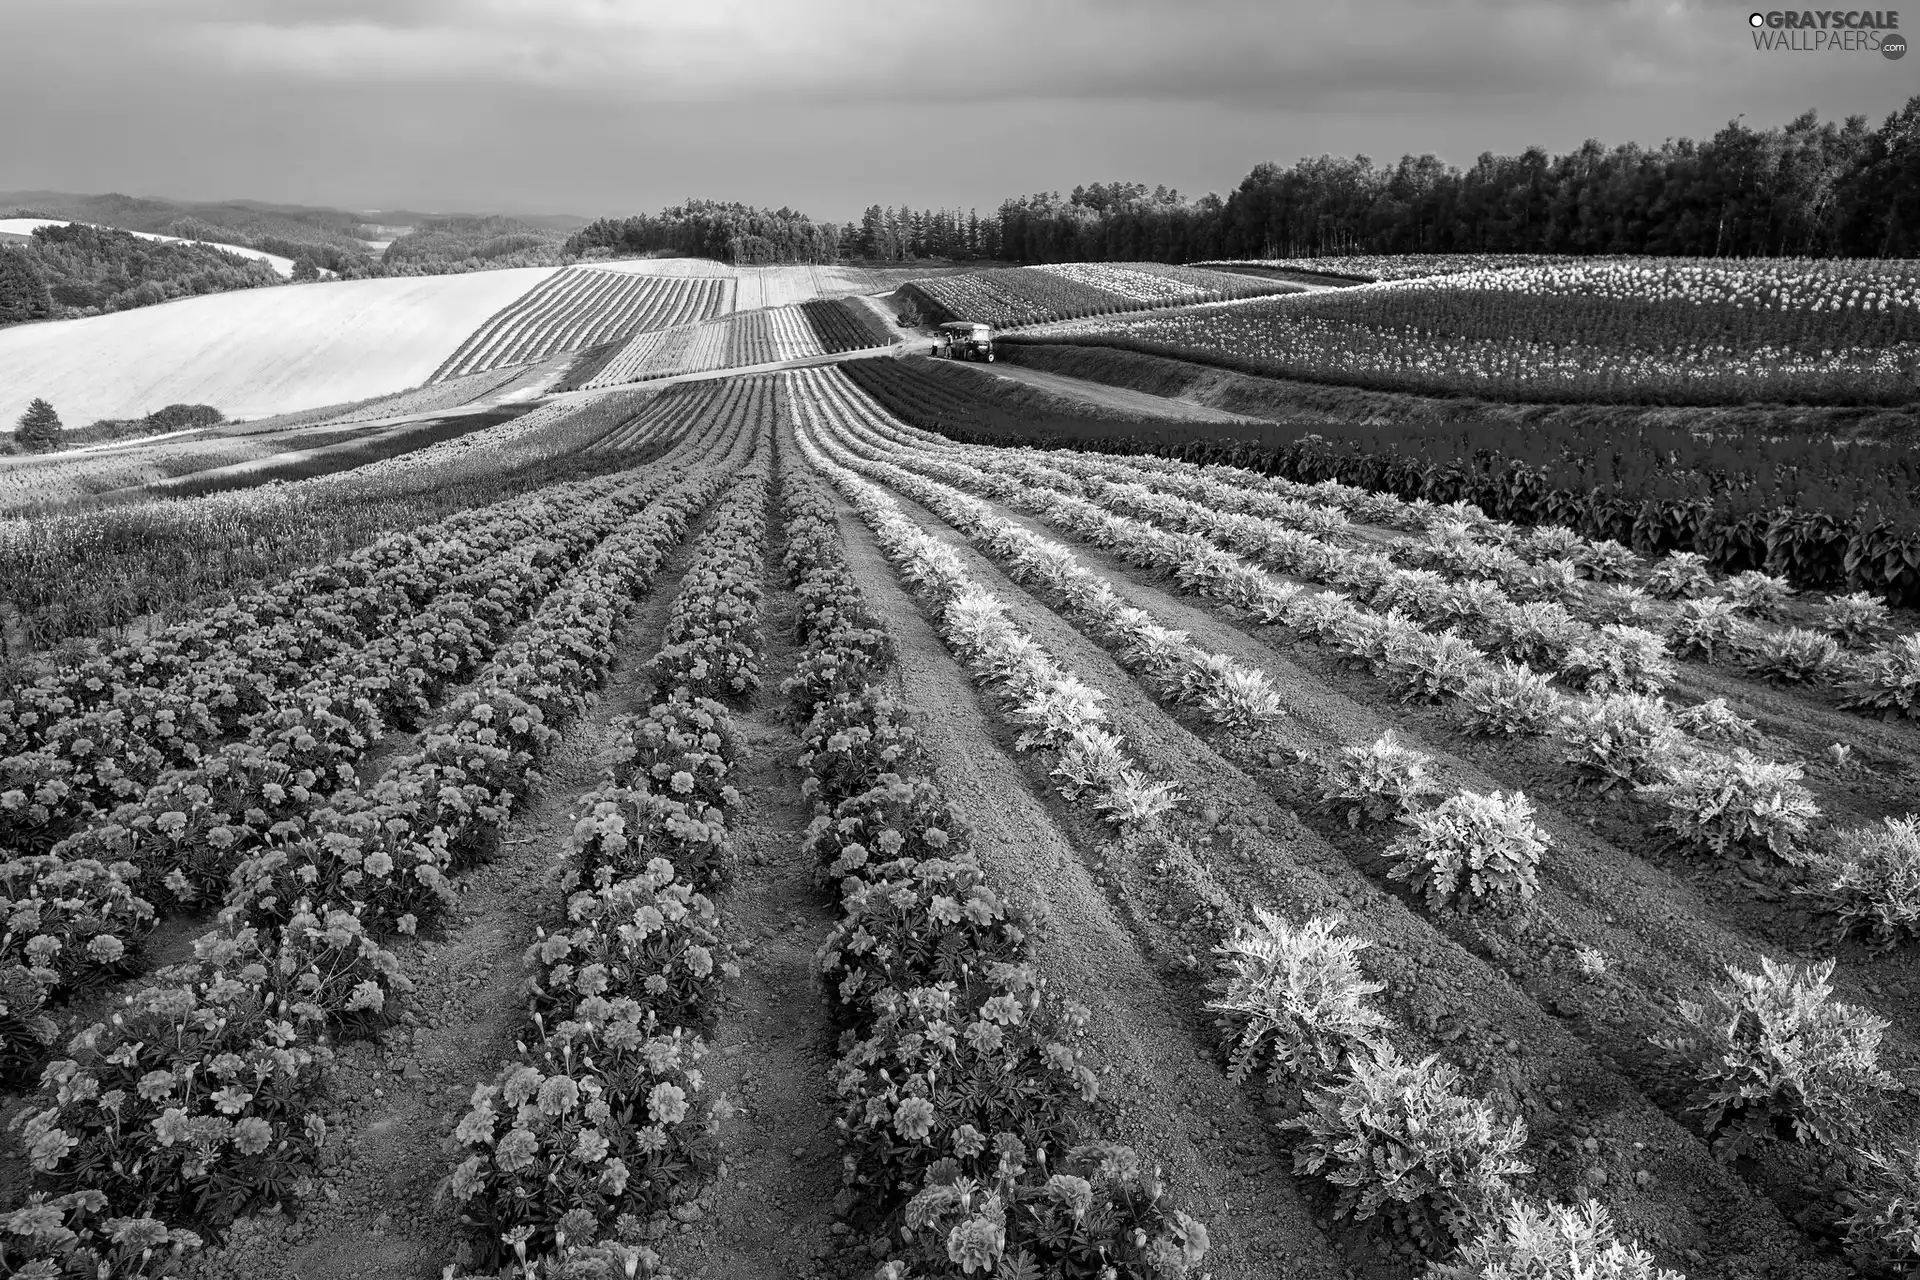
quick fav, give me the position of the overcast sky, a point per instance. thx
(616, 106)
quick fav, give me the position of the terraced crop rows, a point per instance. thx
(1210, 875)
(746, 338)
(583, 307)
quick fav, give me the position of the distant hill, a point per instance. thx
(350, 243)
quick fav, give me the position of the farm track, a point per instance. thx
(374, 1212)
(1169, 1102)
(769, 1213)
(1336, 720)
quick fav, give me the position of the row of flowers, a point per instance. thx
(1581, 586)
(1770, 1052)
(962, 1094)
(192, 1102)
(603, 1120)
(75, 917)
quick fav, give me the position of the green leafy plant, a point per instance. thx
(1554, 1242)
(1508, 702)
(1883, 1229)
(1736, 804)
(1618, 659)
(1714, 721)
(1887, 682)
(1397, 1138)
(1620, 741)
(1853, 619)
(1472, 850)
(1870, 878)
(1793, 656)
(1680, 574)
(1775, 1056)
(1295, 998)
(1758, 595)
(1374, 783)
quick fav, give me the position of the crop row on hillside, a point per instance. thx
(1012, 297)
(1386, 788)
(1822, 514)
(744, 339)
(1610, 331)
(583, 307)
(241, 1034)
(77, 573)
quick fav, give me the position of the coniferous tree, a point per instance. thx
(39, 428)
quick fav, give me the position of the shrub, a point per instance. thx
(1539, 635)
(1295, 998)
(1605, 560)
(1714, 721)
(1736, 803)
(1473, 849)
(1396, 1138)
(609, 1120)
(1682, 574)
(1888, 682)
(1376, 782)
(1774, 1055)
(65, 1236)
(1546, 581)
(190, 1106)
(1883, 1230)
(1853, 619)
(1551, 542)
(1618, 659)
(1508, 701)
(1702, 626)
(1424, 667)
(1094, 1212)
(1620, 741)
(1870, 878)
(1793, 656)
(1528, 1242)
(1757, 594)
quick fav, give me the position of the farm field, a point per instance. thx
(256, 352)
(584, 307)
(1016, 297)
(1664, 331)
(745, 338)
(608, 836)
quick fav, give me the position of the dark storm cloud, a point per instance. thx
(600, 105)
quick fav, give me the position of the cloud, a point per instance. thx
(611, 105)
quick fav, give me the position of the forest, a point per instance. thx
(83, 270)
(735, 233)
(1807, 188)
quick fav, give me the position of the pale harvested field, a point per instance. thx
(254, 352)
(25, 227)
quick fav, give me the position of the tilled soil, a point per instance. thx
(770, 1213)
(1586, 1118)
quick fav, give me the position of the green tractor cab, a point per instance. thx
(964, 340)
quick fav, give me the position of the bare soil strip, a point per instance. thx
(1167, 1099)
(769, 1215)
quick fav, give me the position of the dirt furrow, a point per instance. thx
(770, 1213)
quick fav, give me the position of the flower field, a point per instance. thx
(745, 339)
(796, 823)
(1667, 331)
(1014, 297)
(583, 307)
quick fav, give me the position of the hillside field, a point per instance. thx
(25, 227)
(256, 352)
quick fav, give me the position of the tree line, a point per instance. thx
(1803, 189)
(725, 232)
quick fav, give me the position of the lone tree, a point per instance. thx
(39, 429)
